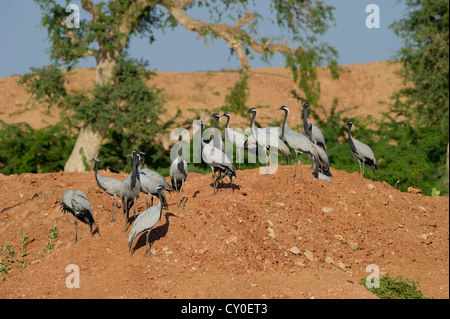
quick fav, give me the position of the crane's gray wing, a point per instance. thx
(146, 220)
(317, 137)
(297, 140)
(237, 139)
(80, 202)
(148, 185)
(363, 151)
(157, 177)
(110, 185)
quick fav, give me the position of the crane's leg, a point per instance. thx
(134, 207)
(147, 244)
(125, 210)
(267, 161)
(182, 194)
(214, 181)
(301, 166)
(76, 226)
(117, 206)
(311, 159)
(362, 176)
(239, 156)
(296, 160)
(112, 210)
(360, 170)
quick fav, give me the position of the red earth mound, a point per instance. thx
(270, 236)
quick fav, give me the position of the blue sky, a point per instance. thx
(24, 42)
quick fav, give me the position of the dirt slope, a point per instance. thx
(364, 85)
(236, 244)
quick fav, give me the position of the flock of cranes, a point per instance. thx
(271, 140)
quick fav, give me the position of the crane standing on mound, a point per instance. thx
(179, 172)
(361, 152)
(76, 203)
(131, 186)
(110, 185)
(146, 221)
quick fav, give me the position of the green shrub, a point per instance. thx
(24, 149)
(396, 288)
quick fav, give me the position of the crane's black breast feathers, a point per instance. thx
(371, 163)
(181, 168)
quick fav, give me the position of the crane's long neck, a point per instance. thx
(161, 199)
(227, 125)
(350, 139)
(216, 143)
(96, 171)
(284, 124)
(134, 170)
(142, 164)
(180, 152)
(252, 124)
(305, 121)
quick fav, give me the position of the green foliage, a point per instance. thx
(53, 235)
(24, 149)
(396, 288)
(303, 65)
(237, 96)
(100, 35)
(418, 116)
(424, 57)
(7, 252)
(45, 84)
(6, 260)
(126, 101)
(23, 251)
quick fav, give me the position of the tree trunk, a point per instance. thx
(86, 147)
(89, 141)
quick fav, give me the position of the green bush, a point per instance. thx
(396, 288)
(24, 149)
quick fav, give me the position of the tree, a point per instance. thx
(106, 35)
(422, 106)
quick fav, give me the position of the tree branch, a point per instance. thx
(233, 35)
(88, 6)
(128, 23)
